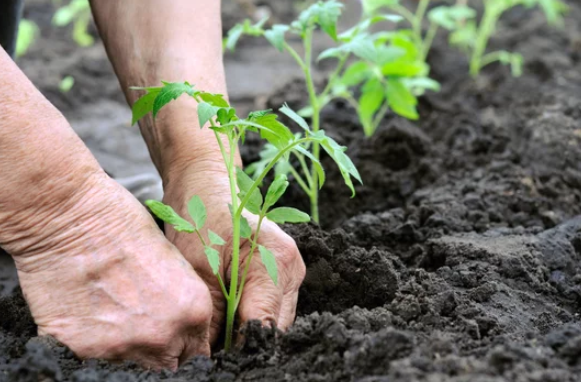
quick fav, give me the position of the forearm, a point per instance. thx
(149, 41)
(42, 160)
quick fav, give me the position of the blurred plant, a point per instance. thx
(27, 33)
(386, 69)
(77, 12)
(215, 113)
(465, 33)
(66, 84)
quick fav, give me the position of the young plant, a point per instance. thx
(465, 33)
(472, 38)
(246, 197)
(77, 12)
(388, 71)
(27, 33)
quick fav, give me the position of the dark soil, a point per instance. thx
(459, 259)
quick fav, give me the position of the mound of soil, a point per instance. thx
(459, 259)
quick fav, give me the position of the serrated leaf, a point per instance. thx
(215, 238)
(143, 106)
(276, 36)
(244, 182)
(213, 257)
(316, 164)
(283, 215)
(169, 216)
(206, 112)
(286, 110)
(274, 132)
(269, 262)
(214, 99)
(356, 73)
(197, 211)
(245, 229)
(400, 99)
(275, 190)
(169, 92)
(371, 99)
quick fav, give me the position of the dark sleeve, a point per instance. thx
(10, 12)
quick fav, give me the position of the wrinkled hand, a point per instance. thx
(261, 299)
(102, 279)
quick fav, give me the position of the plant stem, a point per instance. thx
(252, 249)
(429, 41)
(419, 17)
(484, 31)
(314, 99)
(231, 301)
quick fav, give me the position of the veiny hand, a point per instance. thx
(101, 278)
(261, 299)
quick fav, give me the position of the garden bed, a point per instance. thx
(458, 260)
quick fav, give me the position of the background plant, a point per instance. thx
(78, 13)
(466, 33)
(386, 69)
(246, 197)
(27, 34)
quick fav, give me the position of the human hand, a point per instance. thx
(261, 298)
(101, 278)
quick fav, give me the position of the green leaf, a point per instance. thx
(244, 182)
(213, 257)
(316, 164)
(371, 99)
(226, 115)
(245, 230)
(274, 132)
(215, 238)
(283, 215)
(269, 262)
(233, 36)
(169, 92)
(206, 112)
(144, 105)
(356, 73)
(400, 98)
(197, 211)
(27, 32)
(276, 36)
(214, 99)
(286, 110)
(337, 153)
(325, 14)
(66, 84)
(451, 18)
(370, 6)
(275, 191)
(168, 215)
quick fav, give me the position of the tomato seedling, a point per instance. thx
(386, 68)
(465, 33)
(78, 13)
(216, 113)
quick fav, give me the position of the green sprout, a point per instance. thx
(27, 33)
(386, 68)
(473, 38)
(246, 197)
(460, 21)
(77, 12)
(66, 84)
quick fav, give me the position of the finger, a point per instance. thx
(261, 299)
(288, 309)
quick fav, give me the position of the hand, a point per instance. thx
(261, 299)
(100, 277)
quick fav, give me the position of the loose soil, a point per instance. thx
(458, 260)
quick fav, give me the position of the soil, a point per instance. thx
(458, 260)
